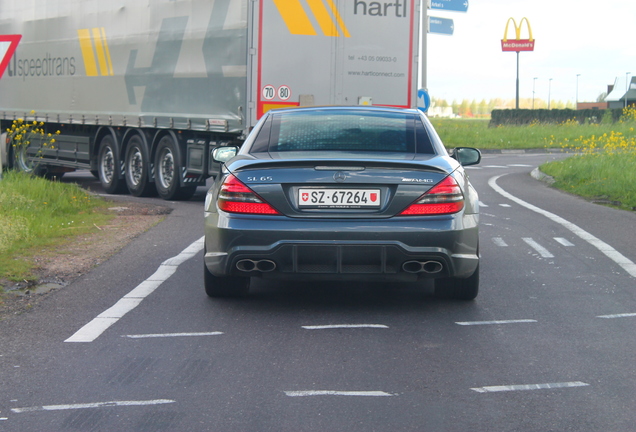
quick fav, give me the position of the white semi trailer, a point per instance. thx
(142, 91)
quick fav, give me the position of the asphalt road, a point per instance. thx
(548, 345)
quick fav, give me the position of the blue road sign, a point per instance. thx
(423, 100)
(450, 5)
(440, 25)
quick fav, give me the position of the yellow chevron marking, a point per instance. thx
(86, 46)
(324, 19)
(95, 52)
(99, 48)
(108, 59)
(295, 17)
(341, 23)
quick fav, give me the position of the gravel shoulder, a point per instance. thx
(57, 269)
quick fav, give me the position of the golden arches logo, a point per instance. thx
(95, 52)
(324, 11)
(518, 28)
(517, 44)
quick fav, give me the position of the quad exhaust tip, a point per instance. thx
(422, 266)
(248, 265)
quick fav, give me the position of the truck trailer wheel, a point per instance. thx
(137, 167)
(20, 159)
(168, 171)
(109, 166)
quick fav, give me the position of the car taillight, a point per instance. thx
(444, 198)
(235, 197)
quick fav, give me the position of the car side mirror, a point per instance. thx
(466, 156)
(224, 154)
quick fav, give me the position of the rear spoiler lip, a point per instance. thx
(433, 163)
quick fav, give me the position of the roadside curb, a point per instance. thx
(525, 151)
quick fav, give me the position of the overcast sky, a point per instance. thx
(592, 38)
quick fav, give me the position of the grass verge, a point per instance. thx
(602, 167)
(38, 215)
(476, 133)
(608, 178)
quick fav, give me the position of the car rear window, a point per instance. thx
(348, 131)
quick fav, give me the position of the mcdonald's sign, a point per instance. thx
(517, 44)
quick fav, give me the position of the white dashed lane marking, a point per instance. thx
(499, 242)
(169, 335)
(303, 393)
(537, 247)
(110, 316)
(623, 315)
(344, 326)
(548, 386)
(603, 247)
(473, 323)
(91, 405)
(564, 242)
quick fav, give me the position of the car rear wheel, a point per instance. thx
(228, 286)
(458, 288)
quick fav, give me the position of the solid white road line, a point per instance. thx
(338, 326)
(302, 393)
(623, 315)
(606, 249)
(110, 316)
(470, 323)
(536, 246)
(91, 405)
(522, 387)
(167, 335)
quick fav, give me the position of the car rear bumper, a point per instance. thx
(404, 249)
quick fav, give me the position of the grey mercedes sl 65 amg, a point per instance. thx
(343, 193)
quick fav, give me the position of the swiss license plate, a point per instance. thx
(339, 198)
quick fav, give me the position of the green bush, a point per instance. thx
(523, 117)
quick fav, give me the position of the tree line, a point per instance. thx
(483, 108)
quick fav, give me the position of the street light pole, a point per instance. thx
(626, 86)
(549, 91)
(577, 91)
(517, 104)
(534, 82)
